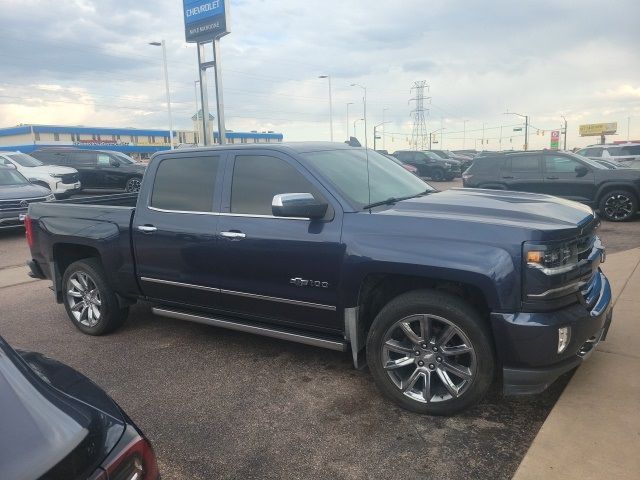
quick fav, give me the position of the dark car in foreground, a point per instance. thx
(615, 192)
(429, 164)
(58, 425)
(16, 193)
(333, 246)
(98, 169)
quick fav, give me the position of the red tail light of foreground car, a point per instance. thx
(136, 461)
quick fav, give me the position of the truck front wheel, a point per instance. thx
(90, 302)
(431, 353)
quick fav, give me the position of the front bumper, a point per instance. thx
(527, 342)
(13, 218)
(62, 188)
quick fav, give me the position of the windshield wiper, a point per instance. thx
(392, 200)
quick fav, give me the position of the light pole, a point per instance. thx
(433, 133)
(565, 133)
(526, 127)
(375, 136)
(464, 133)
(195, 89)
(166, 84)
(354, 126)
(347, 124)
(384, 128)
(364, 102)
(330, 106)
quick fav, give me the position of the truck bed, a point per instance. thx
(99, 224)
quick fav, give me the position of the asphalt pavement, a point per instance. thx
(223, 404)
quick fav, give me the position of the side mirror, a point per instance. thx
(581, 170)
(302, 205)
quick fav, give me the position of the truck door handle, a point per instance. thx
(508, 176)
(147, 228)
(233, 235)
(553, 178)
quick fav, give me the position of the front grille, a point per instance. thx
(17, 204)
(69, 178)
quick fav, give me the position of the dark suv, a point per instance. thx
(564, 174)
(100, 169)
(430, 165)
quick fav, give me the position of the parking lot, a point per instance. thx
(218, 403)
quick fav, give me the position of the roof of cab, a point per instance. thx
(297, 147)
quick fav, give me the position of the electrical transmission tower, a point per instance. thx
(419, 140)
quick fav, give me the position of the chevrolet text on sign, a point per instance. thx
(204, 20)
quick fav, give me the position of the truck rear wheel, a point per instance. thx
(90, 302)
(431, 353)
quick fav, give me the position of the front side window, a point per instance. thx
(185, 184)
(525, 164)
(258, 178)
(560, 164)
(592, 152)
(346, 169)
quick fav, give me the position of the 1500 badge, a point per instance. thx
(301, 282)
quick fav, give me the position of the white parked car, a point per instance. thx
(62, 181)
(625, 155)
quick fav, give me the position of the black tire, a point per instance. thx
(457, 313)
(112, 315)
(437, 175)
(133, 185)
(618, 205)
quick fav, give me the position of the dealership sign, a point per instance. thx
(555, 139)
(204, 20)
(597, 129)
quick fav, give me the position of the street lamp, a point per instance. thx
(383, 128)
(347, 124)
(330, 105)
(433, 133)
(364, 102)
(354, 126)
(526, 127)
(166, 85)
(375, 135)
(195, 89)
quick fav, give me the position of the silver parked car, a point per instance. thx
(622, 154)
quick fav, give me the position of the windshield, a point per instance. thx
(11, 177)
(124, 158)
(25, 160)
(347, 170)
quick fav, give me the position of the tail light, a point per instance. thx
(28, 230)
(136, 461)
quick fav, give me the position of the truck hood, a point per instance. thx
(45, 170)
(26, 191)
(528, 211)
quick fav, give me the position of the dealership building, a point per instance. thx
(137, 142)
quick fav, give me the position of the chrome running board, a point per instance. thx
(253, 328)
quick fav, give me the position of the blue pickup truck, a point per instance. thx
(439, 293)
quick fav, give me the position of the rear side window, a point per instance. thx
(486, 164)
(185, 184)
(83, 158)
(592, 152)
(258, 178)
(525, 164)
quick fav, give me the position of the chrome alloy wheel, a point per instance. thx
(84, 300)
(428, 358)
(133, 185)
(618, 207)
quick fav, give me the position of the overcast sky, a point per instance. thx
(85, 62)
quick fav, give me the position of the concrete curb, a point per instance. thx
(593, 431)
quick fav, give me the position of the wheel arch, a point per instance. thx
(64, 254)
(611, 186)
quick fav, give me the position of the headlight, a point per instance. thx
(552, 259)
(50, 197)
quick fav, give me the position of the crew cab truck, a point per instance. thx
(438, 293)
